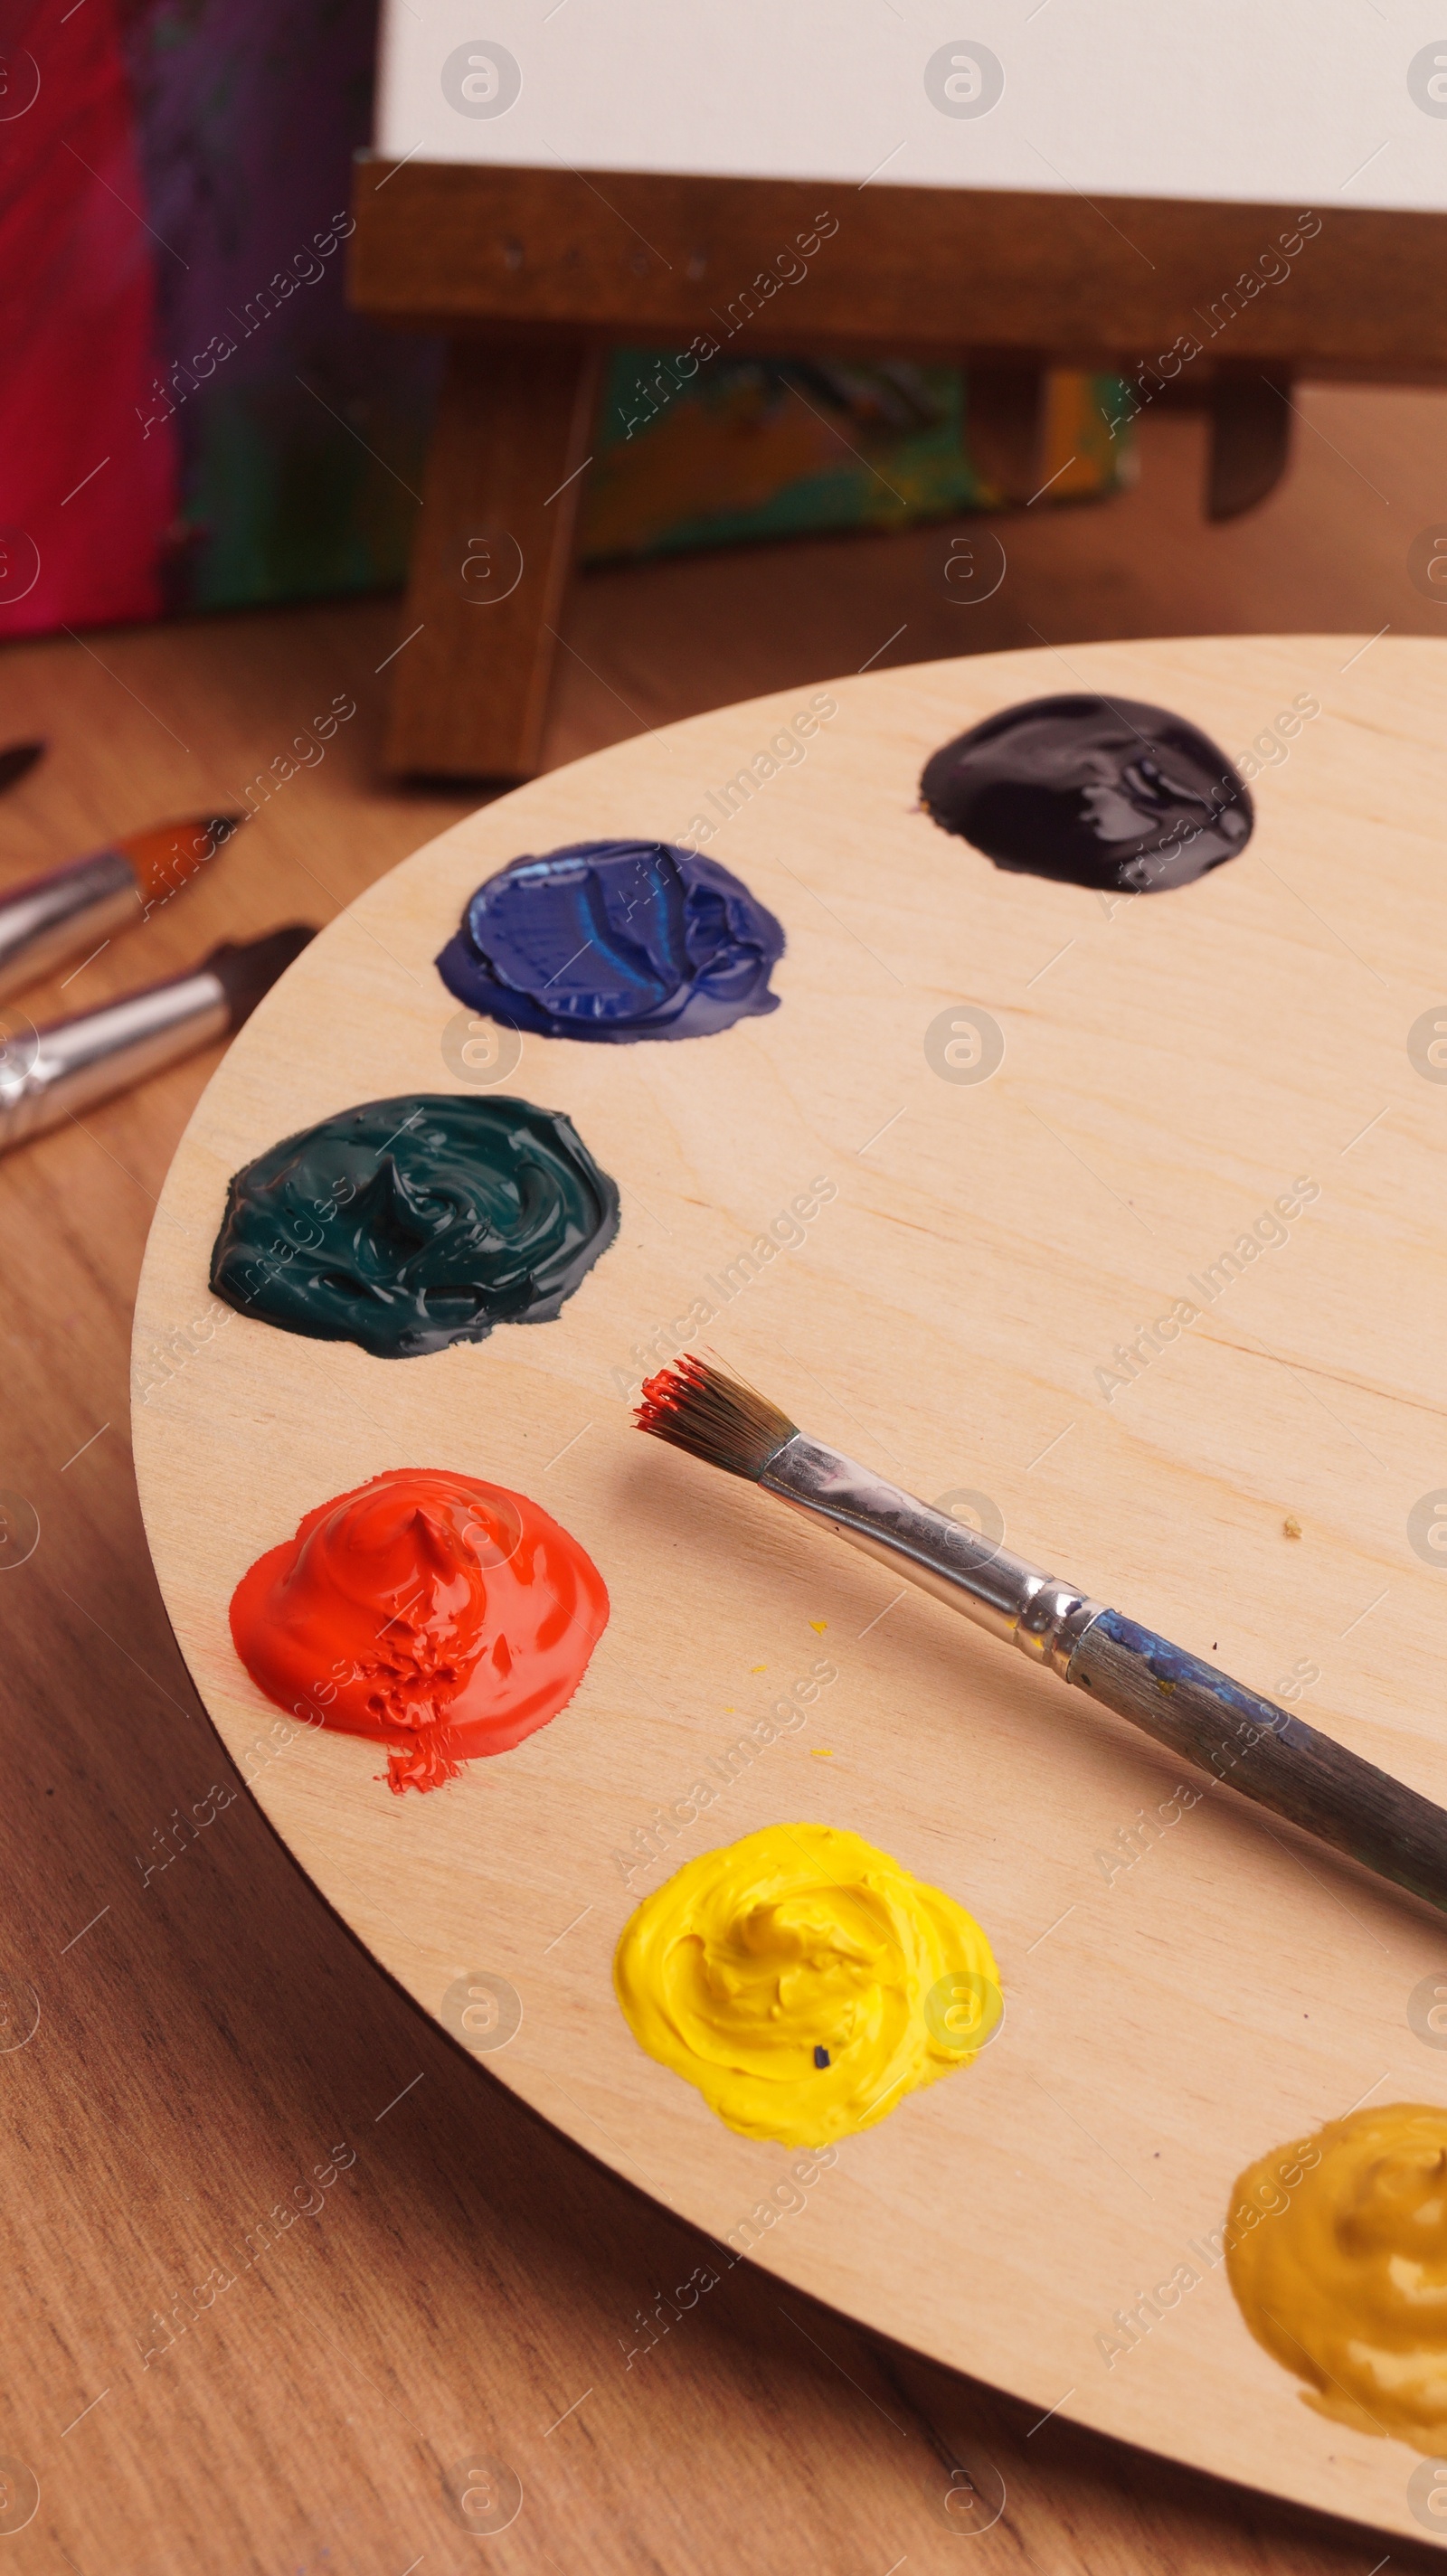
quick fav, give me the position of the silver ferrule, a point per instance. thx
(1044, 1617)
(53, 917)
(50, 1074)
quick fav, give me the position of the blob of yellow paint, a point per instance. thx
(805, 1982)
(1343, 2275)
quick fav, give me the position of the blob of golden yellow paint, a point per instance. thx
(805, 1982)
(1343, 2273)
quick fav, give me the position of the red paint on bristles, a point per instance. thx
(695, 1406)
(666, 1393)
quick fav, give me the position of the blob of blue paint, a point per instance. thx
(615, 940)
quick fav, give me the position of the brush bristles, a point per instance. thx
(699, 1409)
(168, 857)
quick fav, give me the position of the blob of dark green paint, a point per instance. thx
(407, 1224)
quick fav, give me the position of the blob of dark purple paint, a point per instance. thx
(1103, 792)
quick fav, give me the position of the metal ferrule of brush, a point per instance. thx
(48, 918)
(1044, 1617)
(54, 1072)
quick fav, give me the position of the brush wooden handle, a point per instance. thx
(1246, 1742)
(1252, 1745)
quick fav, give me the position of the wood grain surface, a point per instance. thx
(491, 559)
(942, 1274)
(637, 255)
(207, 2038)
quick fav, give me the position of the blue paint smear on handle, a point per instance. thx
(1170, 1666)
(615, 940)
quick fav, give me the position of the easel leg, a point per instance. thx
(1251, 417)
(491, 558)
(1005, 425)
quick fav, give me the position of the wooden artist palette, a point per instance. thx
(1215, 1987)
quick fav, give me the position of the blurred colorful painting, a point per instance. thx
(197, 421)
(192, 419)
(755, 447)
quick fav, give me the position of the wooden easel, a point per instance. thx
(533, 274)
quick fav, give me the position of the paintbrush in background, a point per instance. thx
(1201, 1715)
(59, 915)
(17, 761)
(49, 1074)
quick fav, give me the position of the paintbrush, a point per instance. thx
(49, 1074)
(79, 906)
(17, 761)
(1201, 1715)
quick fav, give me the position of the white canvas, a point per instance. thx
(1301, 103)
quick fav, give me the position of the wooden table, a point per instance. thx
(209, 2034)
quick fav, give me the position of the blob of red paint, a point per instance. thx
(442, 1616)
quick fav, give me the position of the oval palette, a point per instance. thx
(943, 1205)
